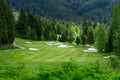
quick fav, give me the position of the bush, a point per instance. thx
(67, 71)
(72, 71)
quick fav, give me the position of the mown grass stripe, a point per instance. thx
(64, 53)
(47, 56)
(71, 54)
(37, 54)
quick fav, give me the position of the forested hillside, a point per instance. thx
(70, 10)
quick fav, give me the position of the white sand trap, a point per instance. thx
(50, 43)
(28, 42)
(91, 50)
(58, 44)
(33, 49)
(107, 57)
(63, 46)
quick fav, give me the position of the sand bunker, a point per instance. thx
(28, 42)
(107, 57)
(50, 43)
(58, 44)
(63, 46)
(91, 50)
(33, 49)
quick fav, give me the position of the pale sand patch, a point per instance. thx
(50, 43)
(107, 57)
(33, 49)
(58, 43)
(63, 46)
(91, 50)
(28, 42)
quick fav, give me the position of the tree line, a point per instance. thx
(69, 10)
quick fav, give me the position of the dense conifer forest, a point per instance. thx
(69, 10)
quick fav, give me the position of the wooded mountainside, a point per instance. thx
(70, 10)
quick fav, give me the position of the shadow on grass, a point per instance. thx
(6, 47)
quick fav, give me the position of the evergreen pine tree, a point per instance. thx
(22, 24)
(116, 43)
(7, 23)
(77, 40)
(90, 36)
(84, 25)
(101, 38)
(10, 21)
(83, 39)
(114, 26)
(34, 35)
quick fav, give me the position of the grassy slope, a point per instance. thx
(48, 53)
(30, 63)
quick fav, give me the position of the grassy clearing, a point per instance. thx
(50, 53)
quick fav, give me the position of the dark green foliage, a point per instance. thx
(72, 71)
(115, 30)
(78, 41)
(116, 43)
(84, 25)
(69, 10)
(22, 24)
(37, 28)
(7, 23)
(66, 71)
(101, 38)
(83, 39)
(114, 63)
(90, 36)
(63, 37)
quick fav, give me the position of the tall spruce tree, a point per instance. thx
(90, 36)
(78, 40)
(84, 25)
(114, 27)
(10, 23)
(101, 38)
(7, 23)
(22, 24)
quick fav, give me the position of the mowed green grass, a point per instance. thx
(48, 53)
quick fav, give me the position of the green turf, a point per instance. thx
(48, 53)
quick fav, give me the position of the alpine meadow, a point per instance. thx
(59, 39)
